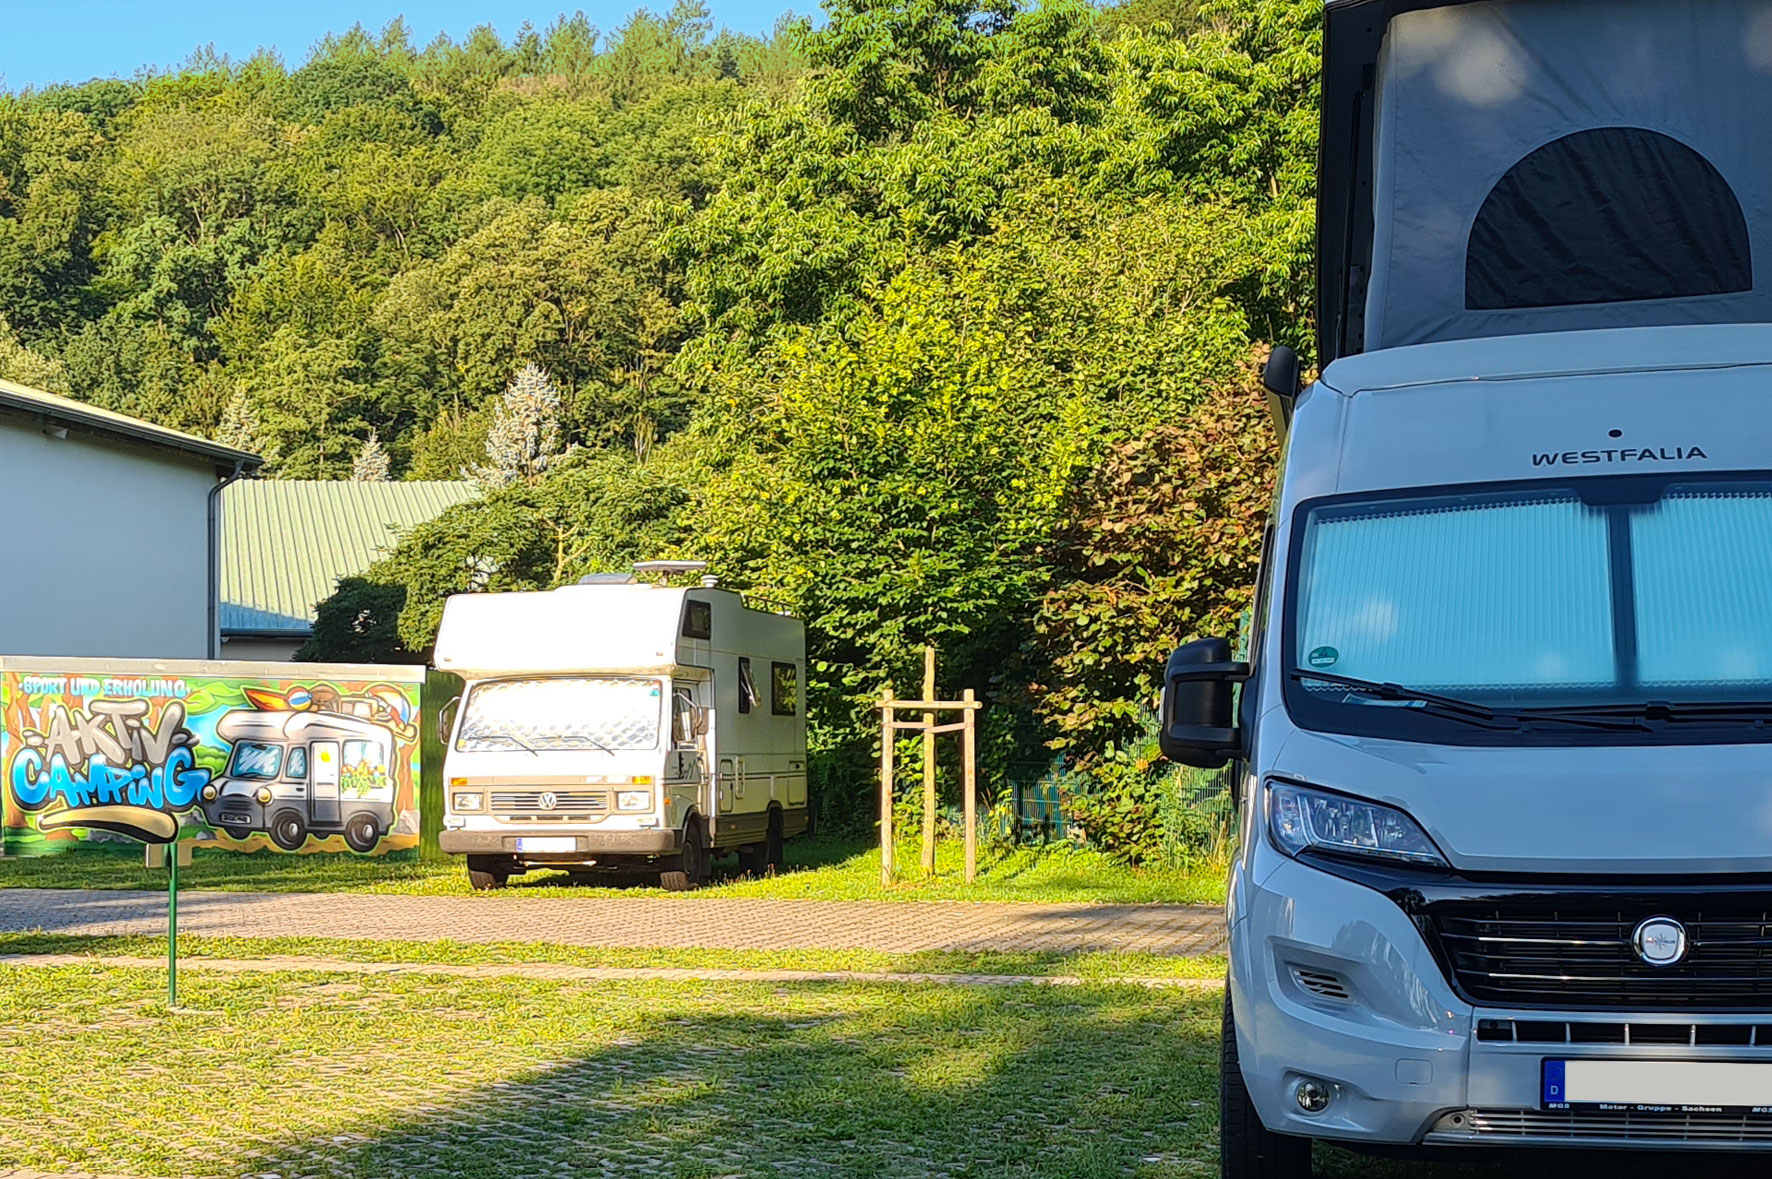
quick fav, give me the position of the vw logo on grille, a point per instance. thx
(1660, 941)
(549, 800)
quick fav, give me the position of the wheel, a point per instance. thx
(1246, 1148)
(288, 831)
(753, 859)
(486, 872)
(362, 833)
(774, 856)
(238, 832)
(695, 859)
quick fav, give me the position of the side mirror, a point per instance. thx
(1280, 377)
(703, 719)
(446, 720)
(1198, 689)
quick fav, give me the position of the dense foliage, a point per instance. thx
(933, 325)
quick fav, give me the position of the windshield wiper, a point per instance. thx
(511, 737)
(1469, 710)
(1450, 706)
(577, 737)
(1719, 711)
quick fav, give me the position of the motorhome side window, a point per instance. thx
(698, 620)
(784, 689)
(747, 686)
(297, 766)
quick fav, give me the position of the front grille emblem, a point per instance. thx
(1660, 941)
(549, 800)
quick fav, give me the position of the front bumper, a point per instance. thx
(1332, 980)
(594, 843)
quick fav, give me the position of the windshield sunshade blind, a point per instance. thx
(1702, 573)
(1498, 595)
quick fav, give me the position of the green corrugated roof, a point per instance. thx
(285, 543)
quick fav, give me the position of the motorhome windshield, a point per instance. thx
(1644, 598)
(255, 761)
(555, 713)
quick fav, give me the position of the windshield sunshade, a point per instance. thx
(564, 713)
(1543, 598)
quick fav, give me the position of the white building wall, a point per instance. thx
(104, 547)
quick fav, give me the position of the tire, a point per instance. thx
(774, 853)
(487, 872)
(753, 859)
(362, 833)
(1246, 1148)
(241, 833)
(695, 859)
(288, 831)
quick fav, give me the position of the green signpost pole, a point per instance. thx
(172, 925)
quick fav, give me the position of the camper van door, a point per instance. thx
(323, 802)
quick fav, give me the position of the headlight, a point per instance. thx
(1301, 820)
(209, 794)
(468, 802)
(264, 796)
(633, 800)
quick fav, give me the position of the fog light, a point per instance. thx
(1313, 1096)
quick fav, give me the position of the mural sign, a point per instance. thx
(315, 761)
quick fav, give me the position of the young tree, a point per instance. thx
(525, 436)
(371, 464)
(239, 424)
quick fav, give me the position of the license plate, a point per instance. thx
(1647, 1086)
(551, 843)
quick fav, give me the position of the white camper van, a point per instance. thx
(617, 723)
(1503, 730)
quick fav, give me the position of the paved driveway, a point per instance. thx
(685, 922)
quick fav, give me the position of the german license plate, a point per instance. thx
(547, 843)
(1653, 1086)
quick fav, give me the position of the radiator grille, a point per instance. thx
(1526, 954)
(532, 805)
(1499, 1126)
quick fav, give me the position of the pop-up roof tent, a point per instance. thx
(1512, 166)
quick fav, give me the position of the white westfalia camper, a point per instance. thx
(616, 723)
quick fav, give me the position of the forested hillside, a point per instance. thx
(935, 324)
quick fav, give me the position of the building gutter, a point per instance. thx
(214, 520)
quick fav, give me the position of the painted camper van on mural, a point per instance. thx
(295, 774)
(253, 756)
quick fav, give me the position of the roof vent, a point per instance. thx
(607, 579)
(663, 569)
(709, 581)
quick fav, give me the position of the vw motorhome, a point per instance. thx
(619, 724)
(1501, 729)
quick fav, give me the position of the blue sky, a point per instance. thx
(49, 41)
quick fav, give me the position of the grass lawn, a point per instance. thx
(1091, 964)
(818, 869)
(301, 1073)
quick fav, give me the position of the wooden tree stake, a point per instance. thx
(888, 735)
(969, 771)
(928, 764)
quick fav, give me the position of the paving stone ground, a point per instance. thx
(561, 973)
(640, 922)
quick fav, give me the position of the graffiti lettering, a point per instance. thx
(116, 730)
(171, 786)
